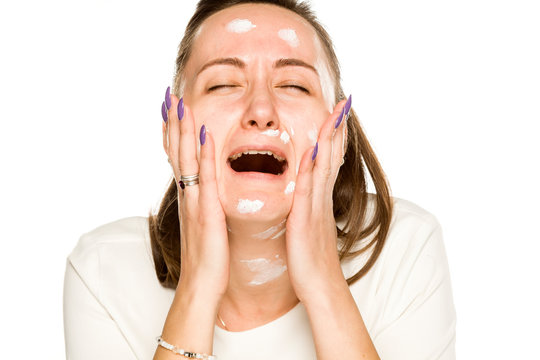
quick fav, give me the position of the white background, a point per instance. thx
(447, 91)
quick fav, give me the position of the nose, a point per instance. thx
(261, 113)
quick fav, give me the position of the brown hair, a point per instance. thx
(350, 195)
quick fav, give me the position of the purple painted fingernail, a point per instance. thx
(182, 185)
(348, 107)
(340, 117)
(164, 112)
(180, 109)
(168, 98)
(315, 152)
(202, 135)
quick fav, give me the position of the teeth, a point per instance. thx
(254, 152)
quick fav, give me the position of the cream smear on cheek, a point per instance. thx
(246, 206)
(325, 77)
(265, 270)
(313, 134)
(289, 36)
(285, 137)
(240, 26)
(290, 188)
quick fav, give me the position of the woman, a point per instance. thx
(266, 244)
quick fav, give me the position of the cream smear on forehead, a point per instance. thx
(240, 26)
(289, 35)
(246, 206)
(270, 233)
(265, 270)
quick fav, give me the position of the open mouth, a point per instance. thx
(258, 161)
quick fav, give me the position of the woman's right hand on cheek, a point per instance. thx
(203, 229)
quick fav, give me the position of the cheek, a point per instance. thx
(303, 126)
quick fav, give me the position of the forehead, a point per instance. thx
(252, 31)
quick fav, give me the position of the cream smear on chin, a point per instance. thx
(265, 270)
(240, 26)
(290, 37)
(246, 206)
(271, 232)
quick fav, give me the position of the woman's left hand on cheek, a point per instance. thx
(312, 253)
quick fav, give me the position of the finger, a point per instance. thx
(339, 141)
(208, 191)
(323, 164)
(173, 137)
(165, 129)
(303, 193)
(184, 154)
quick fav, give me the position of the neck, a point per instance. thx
(259, 288)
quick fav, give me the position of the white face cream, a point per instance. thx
(265, 270)
(246, 206)
(312, 134)
(271, 133)
(285, 137)
(240, 26)
(270, 233)
(327, 85)
(289, 36)
(290, 188)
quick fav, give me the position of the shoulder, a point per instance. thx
(131, 229)
(111, 247)
(408, 216)
(411, 229)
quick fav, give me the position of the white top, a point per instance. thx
(115, 307)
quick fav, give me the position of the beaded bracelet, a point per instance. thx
(187, 354)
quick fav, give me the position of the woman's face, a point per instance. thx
(258, 79)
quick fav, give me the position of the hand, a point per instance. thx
(311, 237)
(203, 230)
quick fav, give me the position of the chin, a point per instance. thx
(255, 206)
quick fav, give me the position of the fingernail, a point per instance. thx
(202, 135)
(340, 117)
(164, 112)
(347, 108)
(168, 98)
(180, 109)
(315, 152)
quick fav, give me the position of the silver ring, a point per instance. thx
(188, 180)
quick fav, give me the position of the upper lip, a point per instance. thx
(258, 147)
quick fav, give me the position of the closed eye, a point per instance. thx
(216, 87)
(297, 87)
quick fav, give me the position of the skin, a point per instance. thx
(258, 97)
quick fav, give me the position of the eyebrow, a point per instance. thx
(236, 62)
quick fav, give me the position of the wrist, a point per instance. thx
(324, 293)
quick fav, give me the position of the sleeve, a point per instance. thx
(90, 332)
(422, 326)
